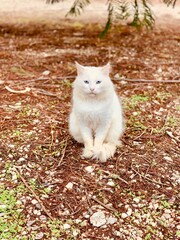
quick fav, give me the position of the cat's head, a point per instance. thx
(92, 81)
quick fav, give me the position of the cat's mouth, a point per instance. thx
(92, 94)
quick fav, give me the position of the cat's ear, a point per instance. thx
(80, 68)
(106, 69)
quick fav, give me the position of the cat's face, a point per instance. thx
(92, 81)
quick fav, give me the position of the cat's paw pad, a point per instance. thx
(87, 153)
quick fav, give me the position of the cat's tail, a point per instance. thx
(106, 151)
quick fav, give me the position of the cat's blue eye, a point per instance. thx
(86, 81)
(98, 82)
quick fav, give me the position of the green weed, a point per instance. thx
(134, 101)
(11, 222)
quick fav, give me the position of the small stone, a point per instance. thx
(167, 158)
(69, 186)
(30, 223)
(14, 176)
(23, 232)
(46, 73)
(129, 212)
(111, 183)
(39, 235)
(86, 215)
(11, 145)
(78, 221)
(156, 205)
(34, 201)
(111, 220)
(66, 226)
(21, 159)
(84, 223)
(89, 169)
(3, 206)
(98, 219)
(136, 199)
(167, 211)
(117, 233)
(18, 202)
(43, 218)
(117, 76)
(159, 70)
(124, 215)
(135, 113)
(37, 212)
(75, 233)
(167, 215)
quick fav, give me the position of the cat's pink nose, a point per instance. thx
(92, 89)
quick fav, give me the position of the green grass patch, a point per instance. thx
(11, 218)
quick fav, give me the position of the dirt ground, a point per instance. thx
(46, 190)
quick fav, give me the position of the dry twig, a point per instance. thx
(34, 194)
(63, 152)
(172, 136)
(147, 80)
(104, 205)
(147, 178)
(116, 176)
(27, 89)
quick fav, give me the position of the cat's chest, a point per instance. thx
(93, 113)
(91, 109)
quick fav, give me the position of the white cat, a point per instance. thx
(96, 118)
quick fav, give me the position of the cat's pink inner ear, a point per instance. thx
(106, 69)
(80, 68)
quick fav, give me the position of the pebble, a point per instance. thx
(111, 183)
(167, 215)
(89, 169)
(66, 226)
(167, 158)
(37, 212)
(117, 76)
(86, 215)
(136, 199)
(69, 186)
(30, 223)
(46, 73)
(129, 212)
(98, 219)
(21, 159)
(39, 235)
(34, 201)
(117, 233)
(75, 233)
(43, 218)
(111, 220)
(34, 228)
(124, 215)
(3, 206)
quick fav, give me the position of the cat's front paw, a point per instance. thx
(87, 153)
(105, 152)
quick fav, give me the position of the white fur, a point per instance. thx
(96, 117)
